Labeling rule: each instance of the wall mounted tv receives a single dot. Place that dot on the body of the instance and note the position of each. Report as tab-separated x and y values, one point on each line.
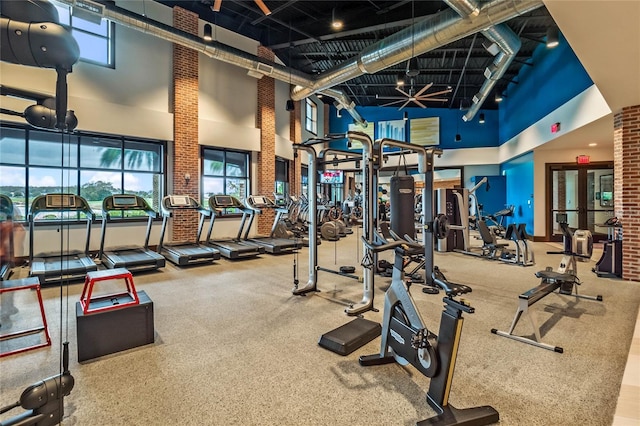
332	177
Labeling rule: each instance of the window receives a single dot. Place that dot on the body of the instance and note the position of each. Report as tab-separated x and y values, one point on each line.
96	41
304	179
282	176
311	116
225	172
36	162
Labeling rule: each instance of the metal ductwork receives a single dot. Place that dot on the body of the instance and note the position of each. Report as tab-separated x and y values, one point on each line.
346	103
256	66
505	40
428	34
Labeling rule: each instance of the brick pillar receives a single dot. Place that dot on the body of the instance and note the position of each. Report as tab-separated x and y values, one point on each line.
626	164
185	125
295	135
266	122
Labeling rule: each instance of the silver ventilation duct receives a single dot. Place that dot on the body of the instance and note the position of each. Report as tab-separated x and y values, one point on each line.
505	40
256	66
428	34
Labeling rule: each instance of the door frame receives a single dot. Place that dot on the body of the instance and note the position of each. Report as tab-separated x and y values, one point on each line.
549	169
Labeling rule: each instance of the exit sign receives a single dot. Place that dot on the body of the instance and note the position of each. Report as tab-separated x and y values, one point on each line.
555	127
583	159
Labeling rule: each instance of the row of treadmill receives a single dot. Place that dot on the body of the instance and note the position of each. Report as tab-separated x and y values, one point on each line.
70	265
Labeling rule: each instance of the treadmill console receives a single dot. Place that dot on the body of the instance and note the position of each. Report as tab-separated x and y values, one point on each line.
179	201
124	201
60	201
260	202
223	201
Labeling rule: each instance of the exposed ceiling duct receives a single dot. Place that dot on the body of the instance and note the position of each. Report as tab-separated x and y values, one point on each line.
256	66
429	33
506	43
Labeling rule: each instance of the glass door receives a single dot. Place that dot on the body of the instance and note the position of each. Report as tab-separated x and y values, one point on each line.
584	193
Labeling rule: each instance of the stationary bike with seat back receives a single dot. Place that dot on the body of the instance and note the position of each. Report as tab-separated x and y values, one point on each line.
406	339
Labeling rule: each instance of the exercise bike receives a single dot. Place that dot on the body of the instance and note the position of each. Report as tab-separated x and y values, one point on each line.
406	339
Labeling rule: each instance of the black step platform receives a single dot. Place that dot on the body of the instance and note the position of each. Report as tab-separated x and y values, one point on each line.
350	336
116	330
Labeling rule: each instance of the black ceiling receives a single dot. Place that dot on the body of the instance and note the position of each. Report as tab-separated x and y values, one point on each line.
300	34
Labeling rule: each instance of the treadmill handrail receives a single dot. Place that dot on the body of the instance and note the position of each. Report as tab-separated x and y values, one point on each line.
167	212
141	205
39	205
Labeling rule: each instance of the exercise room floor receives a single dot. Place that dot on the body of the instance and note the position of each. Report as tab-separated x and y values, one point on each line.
233	346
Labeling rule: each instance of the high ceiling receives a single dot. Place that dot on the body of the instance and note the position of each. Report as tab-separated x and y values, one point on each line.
301	35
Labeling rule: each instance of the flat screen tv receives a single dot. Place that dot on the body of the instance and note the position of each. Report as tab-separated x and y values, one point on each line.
332	177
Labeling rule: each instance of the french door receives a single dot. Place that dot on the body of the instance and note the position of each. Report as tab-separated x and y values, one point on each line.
584	193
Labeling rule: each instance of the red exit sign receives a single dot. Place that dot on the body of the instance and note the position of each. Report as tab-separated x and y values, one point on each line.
555	127
583	159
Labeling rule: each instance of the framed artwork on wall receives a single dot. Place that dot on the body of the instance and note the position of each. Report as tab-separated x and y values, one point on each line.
369	130
425	131
393	129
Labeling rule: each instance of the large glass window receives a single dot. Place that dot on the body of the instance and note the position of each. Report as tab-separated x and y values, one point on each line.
95	40
282	177
311	116
35	162
225	172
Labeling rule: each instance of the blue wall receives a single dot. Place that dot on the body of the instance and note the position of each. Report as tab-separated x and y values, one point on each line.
519	177
474	134
555	77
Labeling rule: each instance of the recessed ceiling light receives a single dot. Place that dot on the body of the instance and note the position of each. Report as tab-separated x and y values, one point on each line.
593	144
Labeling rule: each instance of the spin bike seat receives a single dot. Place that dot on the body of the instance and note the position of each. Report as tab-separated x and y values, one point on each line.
451	289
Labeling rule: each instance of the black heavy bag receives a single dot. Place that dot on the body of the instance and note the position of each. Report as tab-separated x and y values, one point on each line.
402	199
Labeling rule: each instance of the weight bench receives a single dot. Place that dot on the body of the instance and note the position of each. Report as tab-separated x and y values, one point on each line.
552	281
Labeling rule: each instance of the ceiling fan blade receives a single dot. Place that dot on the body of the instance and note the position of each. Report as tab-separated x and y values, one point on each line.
263	7
404	104
391	103
424	89
216	5
403	92
417	102
390	97
428	95
423	99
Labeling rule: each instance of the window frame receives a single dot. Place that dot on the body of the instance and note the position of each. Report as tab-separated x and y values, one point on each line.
311	116
109	38
76	139
284	183
224	176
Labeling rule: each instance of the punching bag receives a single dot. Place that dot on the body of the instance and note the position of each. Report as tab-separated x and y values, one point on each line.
402	200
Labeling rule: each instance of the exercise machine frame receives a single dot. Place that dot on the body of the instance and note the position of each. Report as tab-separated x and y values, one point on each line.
563	281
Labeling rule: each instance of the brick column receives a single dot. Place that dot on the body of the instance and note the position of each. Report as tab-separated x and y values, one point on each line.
185	126
626	164
266	122
295	135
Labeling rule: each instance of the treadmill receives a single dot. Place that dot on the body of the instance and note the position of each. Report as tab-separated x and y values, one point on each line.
185	253
135	259
271	245
55	267
6	222
230	248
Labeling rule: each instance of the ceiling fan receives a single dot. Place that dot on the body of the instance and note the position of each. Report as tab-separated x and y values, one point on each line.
416	97
218	3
